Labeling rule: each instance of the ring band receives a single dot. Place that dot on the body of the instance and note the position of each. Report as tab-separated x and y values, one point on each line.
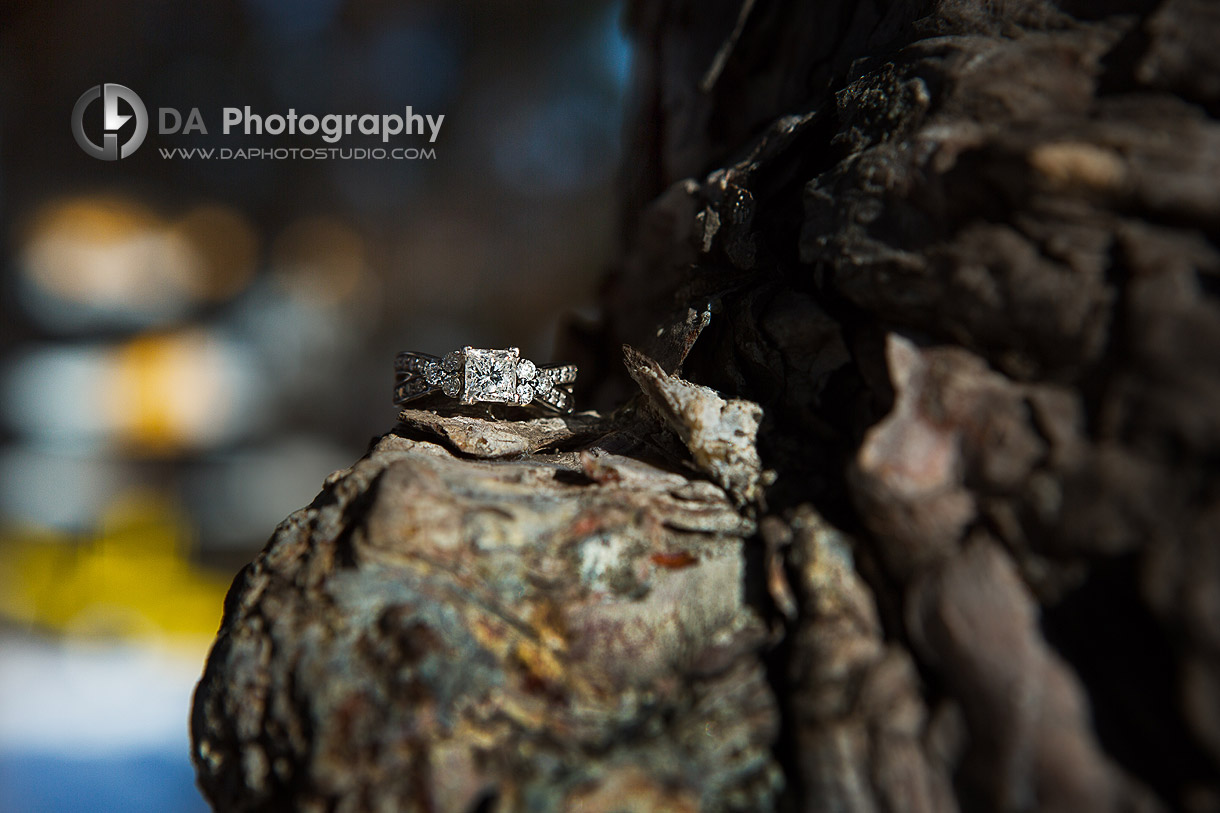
473	376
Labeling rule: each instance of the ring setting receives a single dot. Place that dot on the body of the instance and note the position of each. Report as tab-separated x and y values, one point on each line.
473	375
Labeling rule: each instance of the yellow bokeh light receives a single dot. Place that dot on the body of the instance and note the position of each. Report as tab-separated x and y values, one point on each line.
109	252
132	580
169	391
117	254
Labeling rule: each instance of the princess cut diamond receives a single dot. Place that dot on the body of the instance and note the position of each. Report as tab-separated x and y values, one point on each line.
491	375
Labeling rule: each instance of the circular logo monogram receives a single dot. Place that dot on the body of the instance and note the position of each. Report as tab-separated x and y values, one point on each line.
112	121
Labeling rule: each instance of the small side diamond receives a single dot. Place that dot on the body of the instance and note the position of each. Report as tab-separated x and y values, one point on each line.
452	361
452	385
433	374
556	398
525	392
564	375
526	370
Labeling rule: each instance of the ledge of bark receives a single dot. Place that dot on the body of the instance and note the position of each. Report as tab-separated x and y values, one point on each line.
435	632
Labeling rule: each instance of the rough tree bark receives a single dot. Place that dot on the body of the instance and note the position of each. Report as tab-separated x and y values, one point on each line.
914	506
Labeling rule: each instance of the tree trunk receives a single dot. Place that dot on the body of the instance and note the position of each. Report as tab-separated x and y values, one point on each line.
916	503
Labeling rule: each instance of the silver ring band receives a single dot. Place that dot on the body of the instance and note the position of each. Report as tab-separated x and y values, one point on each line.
473	376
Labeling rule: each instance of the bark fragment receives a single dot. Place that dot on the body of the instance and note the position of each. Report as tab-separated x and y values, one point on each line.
719	434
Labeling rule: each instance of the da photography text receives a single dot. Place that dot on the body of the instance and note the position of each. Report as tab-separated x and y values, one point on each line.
116	138
333	127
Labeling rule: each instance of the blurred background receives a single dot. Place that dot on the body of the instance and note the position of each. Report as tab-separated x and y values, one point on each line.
189	347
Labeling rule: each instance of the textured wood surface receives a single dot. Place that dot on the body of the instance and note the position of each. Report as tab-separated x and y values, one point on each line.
909	499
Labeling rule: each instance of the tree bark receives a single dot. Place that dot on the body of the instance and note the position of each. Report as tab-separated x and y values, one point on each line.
913	501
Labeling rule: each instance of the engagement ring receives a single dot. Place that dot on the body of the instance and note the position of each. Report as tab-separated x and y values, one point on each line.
476	376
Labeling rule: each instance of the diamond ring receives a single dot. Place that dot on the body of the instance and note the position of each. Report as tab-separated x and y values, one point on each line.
476	376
